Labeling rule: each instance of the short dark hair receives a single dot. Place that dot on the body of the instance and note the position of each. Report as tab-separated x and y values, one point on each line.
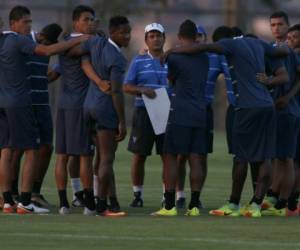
18	12
116	21
279	14
237	31
222	32
51	32
295	27
80	9
188	29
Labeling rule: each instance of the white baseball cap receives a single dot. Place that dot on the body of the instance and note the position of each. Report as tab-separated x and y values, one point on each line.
154	26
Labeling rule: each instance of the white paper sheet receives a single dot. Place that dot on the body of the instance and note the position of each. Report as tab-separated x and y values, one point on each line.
158	110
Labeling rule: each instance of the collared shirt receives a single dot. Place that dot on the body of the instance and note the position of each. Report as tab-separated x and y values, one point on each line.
147	71
218	65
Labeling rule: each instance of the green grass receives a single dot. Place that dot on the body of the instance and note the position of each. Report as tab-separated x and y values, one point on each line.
140	230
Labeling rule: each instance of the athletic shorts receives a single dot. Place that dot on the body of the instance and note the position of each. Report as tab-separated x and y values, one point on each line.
19	128
97	120
297	153
286	135
44	124
72	133
185	140
209	129
254	133
142	137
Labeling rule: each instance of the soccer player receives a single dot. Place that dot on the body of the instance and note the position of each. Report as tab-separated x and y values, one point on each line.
104	110
254	118
145	74
287	117
15	101
185	133
294	43
72	134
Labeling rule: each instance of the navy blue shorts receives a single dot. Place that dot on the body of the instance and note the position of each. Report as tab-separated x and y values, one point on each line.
297	154
20	128
44	123
254	134
4	130
209	129
185	140
229	128
286	135
98	120
142	137
72	133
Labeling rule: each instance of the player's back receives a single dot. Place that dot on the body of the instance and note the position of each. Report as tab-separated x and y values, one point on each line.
189	75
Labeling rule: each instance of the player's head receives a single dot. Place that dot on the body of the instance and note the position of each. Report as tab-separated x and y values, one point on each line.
83	19
293	38
120	30
187	32
20	20
201	34
155	36
279	22
237	31
49	34
222	32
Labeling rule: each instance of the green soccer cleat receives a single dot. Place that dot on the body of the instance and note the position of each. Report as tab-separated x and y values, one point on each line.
253	210
165	212
229	209
193	212
272	211
268	202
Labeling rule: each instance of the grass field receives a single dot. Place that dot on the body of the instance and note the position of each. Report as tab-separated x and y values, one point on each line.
141	231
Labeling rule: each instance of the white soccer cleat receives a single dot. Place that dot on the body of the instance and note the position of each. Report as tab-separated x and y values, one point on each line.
64	211
31	209
88	212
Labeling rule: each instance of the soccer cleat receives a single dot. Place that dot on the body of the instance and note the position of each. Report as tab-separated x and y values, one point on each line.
9	209
268	202
31	209
78	201
253	210
64	211
272	211
40	201
109	213
165	212
229	209
193	212
88	212
137	202
244	208
180	203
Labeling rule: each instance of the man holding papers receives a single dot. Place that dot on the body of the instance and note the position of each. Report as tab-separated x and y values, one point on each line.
145	74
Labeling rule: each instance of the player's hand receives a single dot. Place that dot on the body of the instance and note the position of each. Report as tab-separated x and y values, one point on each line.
150	93
263	78
104	86
282	102
121	132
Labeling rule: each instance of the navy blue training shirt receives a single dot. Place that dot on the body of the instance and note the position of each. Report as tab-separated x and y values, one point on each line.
189	75
74	82
247	55
110	64
14	83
